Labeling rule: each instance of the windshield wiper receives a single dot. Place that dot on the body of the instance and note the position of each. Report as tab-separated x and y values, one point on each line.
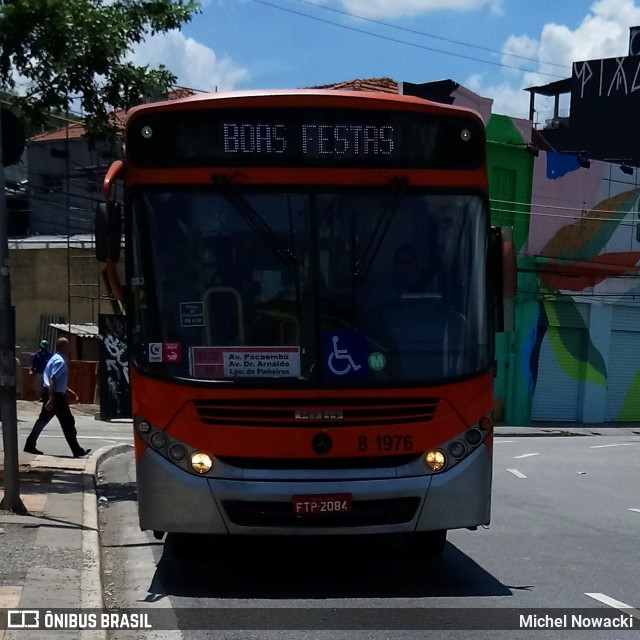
254	220
362	266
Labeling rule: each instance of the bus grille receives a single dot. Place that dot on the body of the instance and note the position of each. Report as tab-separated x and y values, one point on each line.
297	464
279	514
336	412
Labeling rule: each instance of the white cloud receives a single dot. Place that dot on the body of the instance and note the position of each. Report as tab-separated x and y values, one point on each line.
507	100
516	48
603	33
195	65
397	8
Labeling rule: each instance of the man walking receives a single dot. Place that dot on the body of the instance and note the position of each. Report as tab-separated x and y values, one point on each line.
55	402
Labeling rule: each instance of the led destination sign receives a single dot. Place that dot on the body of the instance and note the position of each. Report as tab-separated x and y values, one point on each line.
304	137
315	140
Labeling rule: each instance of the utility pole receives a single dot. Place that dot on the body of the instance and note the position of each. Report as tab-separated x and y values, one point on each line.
8	409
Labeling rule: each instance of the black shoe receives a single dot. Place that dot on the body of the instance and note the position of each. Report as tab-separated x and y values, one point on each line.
33	450
81	453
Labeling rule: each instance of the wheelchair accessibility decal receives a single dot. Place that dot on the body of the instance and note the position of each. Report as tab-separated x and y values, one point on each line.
345	355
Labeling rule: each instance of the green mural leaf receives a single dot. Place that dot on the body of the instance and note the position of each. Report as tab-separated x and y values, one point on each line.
576	354
631	406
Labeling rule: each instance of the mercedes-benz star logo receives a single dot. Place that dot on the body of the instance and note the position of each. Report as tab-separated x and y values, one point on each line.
321	443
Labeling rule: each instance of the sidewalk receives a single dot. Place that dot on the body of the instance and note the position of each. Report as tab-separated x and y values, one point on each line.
50	559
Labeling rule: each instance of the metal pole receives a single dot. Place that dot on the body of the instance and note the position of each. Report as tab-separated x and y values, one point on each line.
8	409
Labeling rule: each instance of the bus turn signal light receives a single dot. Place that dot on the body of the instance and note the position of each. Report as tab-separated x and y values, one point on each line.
144	426
201	462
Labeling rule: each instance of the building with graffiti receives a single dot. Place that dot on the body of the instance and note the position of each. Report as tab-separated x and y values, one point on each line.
575	355
573	202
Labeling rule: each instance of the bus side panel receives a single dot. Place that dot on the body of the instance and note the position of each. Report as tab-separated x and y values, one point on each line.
171	500
461	497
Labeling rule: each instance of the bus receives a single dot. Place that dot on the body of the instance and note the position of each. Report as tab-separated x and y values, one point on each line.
312	289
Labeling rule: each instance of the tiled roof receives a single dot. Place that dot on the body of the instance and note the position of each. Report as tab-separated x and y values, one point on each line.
384	85
77	130
74	130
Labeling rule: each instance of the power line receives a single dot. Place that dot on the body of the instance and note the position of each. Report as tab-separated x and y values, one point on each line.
431	35
398	41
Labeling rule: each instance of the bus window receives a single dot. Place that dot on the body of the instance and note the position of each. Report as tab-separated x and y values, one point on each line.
274	278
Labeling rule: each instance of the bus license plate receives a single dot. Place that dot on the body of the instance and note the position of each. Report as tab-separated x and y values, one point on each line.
321	505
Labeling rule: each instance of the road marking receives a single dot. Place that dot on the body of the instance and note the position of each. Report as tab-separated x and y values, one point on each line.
502	441
636	510
516	473
616	604
525	455
604	446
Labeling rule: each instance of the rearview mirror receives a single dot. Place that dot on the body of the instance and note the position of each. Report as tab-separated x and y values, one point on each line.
108	231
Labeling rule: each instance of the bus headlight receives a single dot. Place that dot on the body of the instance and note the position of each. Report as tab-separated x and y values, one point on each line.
177	452
473	436
158	440
457	449
435	460
201	462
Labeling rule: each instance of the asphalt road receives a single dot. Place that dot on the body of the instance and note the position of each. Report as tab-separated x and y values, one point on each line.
564	534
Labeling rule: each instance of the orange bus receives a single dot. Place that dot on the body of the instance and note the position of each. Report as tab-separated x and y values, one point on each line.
312	290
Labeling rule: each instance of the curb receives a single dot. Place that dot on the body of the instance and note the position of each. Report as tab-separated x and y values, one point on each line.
91	596
565	432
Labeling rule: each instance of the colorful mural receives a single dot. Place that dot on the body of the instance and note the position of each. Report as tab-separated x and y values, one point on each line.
578	285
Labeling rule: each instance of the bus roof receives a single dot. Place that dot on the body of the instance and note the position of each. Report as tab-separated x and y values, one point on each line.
300	98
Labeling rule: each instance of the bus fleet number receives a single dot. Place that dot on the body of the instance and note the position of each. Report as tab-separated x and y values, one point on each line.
386	443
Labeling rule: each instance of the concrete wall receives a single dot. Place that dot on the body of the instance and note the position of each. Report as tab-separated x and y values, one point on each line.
50	278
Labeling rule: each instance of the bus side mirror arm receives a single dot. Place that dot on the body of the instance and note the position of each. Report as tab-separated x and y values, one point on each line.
113	173
112	281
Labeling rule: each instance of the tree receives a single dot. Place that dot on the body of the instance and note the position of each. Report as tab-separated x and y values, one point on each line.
77	50
62	50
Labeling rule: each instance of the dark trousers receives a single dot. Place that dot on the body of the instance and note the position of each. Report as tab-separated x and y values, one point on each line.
61	411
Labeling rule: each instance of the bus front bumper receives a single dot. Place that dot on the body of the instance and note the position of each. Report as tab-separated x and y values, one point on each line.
171	500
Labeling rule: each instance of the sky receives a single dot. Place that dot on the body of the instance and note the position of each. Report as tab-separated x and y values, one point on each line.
496	48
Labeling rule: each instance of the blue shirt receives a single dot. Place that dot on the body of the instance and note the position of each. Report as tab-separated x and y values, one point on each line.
57	369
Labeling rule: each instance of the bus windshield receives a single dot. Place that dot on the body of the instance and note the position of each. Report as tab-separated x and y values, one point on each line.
319	286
